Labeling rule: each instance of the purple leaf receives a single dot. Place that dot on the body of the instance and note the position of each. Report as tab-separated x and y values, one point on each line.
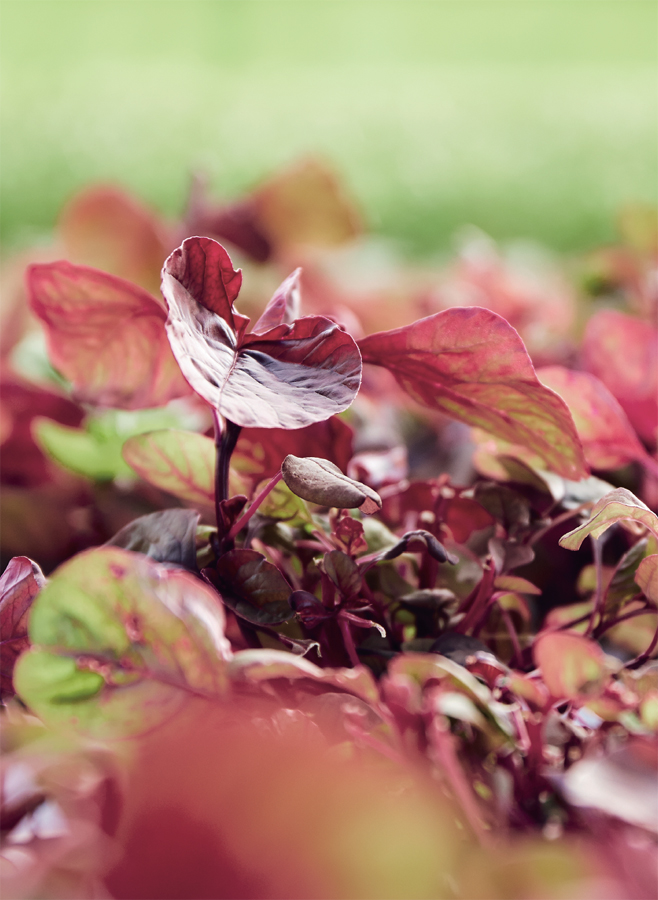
284	307
252	587
167	536
415	539
320	481
20	583
287	377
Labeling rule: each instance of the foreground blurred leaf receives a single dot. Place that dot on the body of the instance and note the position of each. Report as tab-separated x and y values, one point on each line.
120	641
19	585
287	377
618	506
471	365
106	336
572	666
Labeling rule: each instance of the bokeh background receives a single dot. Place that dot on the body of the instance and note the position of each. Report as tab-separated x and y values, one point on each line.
526	118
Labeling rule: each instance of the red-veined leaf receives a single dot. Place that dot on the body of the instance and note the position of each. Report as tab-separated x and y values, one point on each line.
621	351
287	377
618	506
19	585
573	667
607	436
471	365
647	577
106	336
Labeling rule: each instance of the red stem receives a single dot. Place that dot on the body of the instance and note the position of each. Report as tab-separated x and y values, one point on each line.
244	518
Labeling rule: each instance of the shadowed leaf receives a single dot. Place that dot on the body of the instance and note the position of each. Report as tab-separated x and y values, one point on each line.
122	641
471	365
414	540
252	587
106	336
320	481
287	377
167	536
19	585
343	571
617	506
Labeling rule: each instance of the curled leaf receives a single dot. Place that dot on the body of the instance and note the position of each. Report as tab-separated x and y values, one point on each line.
412	539
105	335
470	364
320	481
20	583
286	377
618	506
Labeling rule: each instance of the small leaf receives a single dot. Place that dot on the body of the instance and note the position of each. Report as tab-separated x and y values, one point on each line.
573	667
287	377
414	540
252	587
647	577
515	583
470	364
308	608
167	536
320	481
343	571
618	506
623	585
106	336
123	640
19	585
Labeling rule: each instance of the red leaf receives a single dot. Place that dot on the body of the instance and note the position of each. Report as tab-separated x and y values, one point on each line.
105	335
621	351
607	436
20	583
284	307
471	365
288	377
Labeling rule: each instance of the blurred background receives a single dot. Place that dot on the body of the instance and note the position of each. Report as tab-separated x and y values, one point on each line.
523	117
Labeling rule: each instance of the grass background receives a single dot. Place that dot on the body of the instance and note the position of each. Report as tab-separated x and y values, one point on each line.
528	118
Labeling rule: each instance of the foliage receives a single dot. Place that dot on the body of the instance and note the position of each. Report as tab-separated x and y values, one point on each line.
292	669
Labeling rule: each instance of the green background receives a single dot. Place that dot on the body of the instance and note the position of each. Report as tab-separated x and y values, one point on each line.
524	117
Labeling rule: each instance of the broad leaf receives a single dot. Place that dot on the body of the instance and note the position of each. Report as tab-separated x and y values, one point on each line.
122	640
572	666
607	436
106	336
471	365
180	462
20	583
252	587
287	377
167	536
621	351
617	506
647	577
321	482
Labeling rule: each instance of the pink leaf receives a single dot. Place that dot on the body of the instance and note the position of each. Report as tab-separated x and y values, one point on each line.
608	438
20	583
572	666
284	307
621	351
288	377
647	577
471	365
106	336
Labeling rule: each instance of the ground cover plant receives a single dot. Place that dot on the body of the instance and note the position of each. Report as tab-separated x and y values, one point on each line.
348	593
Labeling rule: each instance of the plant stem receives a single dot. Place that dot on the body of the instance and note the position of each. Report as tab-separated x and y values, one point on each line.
244	518
599	597
225	440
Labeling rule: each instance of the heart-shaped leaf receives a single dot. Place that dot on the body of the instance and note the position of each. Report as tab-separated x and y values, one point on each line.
167	536
618	506
608	438
252	587
122	640
286	377
106	336
320	481
471	365
20	583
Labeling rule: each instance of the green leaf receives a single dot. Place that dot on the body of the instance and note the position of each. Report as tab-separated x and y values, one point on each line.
647	577
119	641
283	505
618	506
573	667
180	462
